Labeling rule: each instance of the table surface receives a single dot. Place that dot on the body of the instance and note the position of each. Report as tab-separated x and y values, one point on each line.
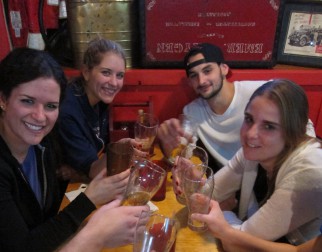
187	240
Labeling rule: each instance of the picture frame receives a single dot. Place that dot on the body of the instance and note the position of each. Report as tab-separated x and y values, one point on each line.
168	29
300	40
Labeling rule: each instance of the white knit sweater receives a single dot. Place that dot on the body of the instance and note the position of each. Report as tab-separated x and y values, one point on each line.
295	207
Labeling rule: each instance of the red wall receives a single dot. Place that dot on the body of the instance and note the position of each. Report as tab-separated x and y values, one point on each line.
169	90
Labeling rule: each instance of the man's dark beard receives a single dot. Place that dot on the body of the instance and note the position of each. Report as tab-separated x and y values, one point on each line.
215	92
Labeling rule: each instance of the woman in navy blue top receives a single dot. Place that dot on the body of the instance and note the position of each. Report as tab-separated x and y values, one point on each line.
83	119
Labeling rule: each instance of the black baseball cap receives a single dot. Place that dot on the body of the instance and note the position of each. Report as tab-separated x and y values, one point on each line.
211	53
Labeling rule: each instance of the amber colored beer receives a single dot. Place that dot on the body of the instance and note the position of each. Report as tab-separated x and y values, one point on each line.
176	152
138	198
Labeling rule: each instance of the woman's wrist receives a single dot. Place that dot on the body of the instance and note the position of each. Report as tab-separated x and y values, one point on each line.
87	239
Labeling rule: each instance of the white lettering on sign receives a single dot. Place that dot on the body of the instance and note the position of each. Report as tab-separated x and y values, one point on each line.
236	24
169	48
213	14
177	48
252	48
182	24
274	5
174	48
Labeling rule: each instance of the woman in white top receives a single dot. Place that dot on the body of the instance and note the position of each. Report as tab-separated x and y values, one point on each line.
275	144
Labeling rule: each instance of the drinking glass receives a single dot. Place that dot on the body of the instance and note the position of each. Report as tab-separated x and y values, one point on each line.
189	126
198	186
118	157
155	232
161	193
190	156
145	131
145	180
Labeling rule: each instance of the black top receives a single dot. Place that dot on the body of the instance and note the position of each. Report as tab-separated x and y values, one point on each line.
260	186
24	225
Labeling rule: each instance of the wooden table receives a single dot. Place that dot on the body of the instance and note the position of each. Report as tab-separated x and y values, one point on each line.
187	240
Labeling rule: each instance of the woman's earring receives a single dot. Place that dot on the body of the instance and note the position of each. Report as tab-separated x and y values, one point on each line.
2	107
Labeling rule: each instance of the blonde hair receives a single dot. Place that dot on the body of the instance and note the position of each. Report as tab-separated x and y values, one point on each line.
96	50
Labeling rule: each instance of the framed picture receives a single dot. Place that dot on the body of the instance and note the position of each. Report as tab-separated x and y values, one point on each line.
244	30
301	35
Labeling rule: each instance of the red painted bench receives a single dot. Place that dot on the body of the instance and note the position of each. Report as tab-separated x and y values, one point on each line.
169	90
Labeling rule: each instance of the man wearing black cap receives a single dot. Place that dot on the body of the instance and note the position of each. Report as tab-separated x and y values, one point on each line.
219	110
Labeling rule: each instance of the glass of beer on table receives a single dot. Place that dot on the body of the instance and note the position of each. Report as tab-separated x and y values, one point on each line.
189	127
155	232
198	185
145	131
145	180
119	157
190	156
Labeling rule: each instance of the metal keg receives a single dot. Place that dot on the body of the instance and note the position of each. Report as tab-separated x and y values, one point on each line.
114	20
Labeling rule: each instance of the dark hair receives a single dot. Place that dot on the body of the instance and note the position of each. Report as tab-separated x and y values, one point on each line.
22	65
